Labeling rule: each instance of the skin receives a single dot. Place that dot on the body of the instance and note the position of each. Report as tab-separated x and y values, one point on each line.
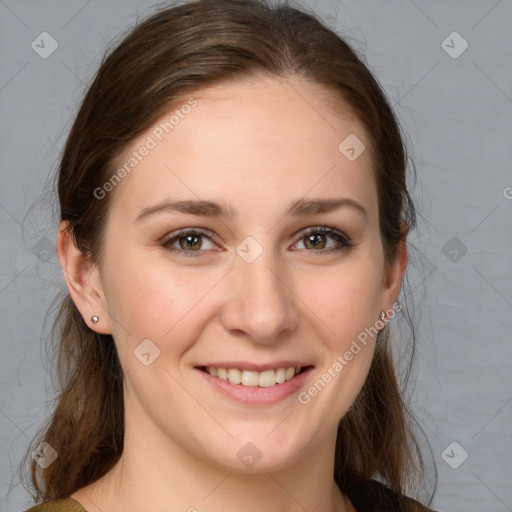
258	146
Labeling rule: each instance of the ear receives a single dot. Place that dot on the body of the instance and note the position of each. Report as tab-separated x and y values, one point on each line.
392	280
83	281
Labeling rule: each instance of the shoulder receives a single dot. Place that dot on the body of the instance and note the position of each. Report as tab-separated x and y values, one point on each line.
370	495
58	505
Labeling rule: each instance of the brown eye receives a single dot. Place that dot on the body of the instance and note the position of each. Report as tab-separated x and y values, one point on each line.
316	239
189	241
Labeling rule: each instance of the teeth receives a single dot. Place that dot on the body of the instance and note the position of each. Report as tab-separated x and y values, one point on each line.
265	379
234	375
268	378
249	378
290	372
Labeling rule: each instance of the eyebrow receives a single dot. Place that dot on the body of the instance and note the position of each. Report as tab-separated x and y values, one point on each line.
205	208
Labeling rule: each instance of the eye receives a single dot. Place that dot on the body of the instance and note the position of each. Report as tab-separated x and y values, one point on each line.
190	241
316	238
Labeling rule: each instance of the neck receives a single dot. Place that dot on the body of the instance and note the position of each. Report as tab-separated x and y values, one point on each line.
155	473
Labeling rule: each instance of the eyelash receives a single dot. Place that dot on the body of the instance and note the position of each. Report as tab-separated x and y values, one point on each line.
341	238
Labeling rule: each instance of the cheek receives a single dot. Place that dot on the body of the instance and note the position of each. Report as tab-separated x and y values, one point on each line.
151	299
345	300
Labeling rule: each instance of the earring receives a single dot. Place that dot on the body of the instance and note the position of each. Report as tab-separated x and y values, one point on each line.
95	319
382	316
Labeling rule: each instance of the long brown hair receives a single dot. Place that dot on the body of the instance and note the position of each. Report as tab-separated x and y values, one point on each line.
159	62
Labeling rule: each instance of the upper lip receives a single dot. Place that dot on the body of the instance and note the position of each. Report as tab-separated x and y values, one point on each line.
245	365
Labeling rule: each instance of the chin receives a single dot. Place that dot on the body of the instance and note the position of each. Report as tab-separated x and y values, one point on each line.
252	454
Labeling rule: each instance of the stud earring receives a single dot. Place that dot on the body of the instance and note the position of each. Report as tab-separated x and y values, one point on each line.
382	316
95	319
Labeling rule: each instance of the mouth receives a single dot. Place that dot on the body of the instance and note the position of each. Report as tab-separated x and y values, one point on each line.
267	378
255	385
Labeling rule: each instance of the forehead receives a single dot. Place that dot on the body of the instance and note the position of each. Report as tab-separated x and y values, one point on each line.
265	138
260	108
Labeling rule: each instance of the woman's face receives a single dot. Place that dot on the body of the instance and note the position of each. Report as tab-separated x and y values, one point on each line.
252	290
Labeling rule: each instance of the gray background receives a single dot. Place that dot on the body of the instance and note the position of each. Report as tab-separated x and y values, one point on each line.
457	113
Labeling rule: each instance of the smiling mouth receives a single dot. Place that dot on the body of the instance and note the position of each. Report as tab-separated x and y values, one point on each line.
265	379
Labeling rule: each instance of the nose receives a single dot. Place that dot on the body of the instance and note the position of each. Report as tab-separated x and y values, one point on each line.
260	304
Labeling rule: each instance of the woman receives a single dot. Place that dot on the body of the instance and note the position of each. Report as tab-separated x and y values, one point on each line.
234	215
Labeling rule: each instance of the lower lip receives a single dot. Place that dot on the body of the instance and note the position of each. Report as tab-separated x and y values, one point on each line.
254	394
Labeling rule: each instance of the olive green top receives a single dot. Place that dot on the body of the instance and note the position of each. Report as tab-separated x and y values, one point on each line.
365	495
63	505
